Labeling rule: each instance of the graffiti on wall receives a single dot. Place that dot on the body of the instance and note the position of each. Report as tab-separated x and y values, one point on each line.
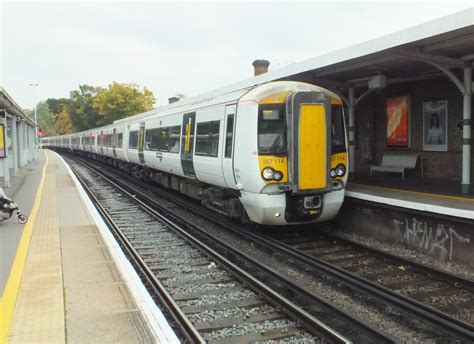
434	239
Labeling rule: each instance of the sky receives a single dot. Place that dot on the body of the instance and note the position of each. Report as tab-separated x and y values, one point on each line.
177	47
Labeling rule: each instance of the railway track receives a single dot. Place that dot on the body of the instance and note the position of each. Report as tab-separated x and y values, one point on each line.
437	324
209	299
447	293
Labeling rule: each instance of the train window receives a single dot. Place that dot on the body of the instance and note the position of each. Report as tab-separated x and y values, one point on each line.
207	138
133	139
338	139
156	139
174	138
229	136
271	130
163	139
119	140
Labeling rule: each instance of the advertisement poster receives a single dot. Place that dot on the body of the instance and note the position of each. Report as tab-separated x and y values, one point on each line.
398	122
2	141
435	125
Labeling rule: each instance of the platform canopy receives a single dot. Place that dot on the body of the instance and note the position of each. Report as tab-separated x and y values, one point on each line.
7	103
405	55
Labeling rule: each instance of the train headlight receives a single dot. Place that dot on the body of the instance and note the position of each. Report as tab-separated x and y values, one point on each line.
278	176
340	170
333	173
268	173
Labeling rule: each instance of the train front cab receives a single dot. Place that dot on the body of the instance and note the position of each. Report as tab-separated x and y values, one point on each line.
302	157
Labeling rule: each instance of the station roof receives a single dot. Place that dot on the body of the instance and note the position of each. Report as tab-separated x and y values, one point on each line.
7	102
416	53
405	55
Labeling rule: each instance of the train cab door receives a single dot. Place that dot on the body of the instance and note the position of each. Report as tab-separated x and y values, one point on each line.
228	144
141	143
187	144
308	115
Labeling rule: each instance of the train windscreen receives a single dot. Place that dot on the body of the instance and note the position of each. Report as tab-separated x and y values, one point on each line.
272	130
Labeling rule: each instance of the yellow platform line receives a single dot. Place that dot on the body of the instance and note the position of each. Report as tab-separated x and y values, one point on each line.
419	193
12	288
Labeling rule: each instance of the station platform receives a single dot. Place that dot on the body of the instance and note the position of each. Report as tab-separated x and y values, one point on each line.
438	197
427	217
63	277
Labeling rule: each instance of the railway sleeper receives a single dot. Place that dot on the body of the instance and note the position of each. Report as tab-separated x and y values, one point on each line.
207	326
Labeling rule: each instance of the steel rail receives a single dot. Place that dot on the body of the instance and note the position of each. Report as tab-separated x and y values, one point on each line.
376	333
449	323
311	323
444	276
185	326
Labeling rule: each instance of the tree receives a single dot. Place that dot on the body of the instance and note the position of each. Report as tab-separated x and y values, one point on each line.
63	123
121	100
82	114
56	105
46	119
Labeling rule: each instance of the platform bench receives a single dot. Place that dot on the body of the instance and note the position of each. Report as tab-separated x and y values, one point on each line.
397	163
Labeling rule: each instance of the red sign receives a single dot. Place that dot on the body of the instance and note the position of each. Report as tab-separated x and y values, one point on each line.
397	122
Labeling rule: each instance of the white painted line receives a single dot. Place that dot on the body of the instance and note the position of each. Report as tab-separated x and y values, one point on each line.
467	214
158	324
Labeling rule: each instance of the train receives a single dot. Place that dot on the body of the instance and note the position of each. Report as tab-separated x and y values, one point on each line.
271	154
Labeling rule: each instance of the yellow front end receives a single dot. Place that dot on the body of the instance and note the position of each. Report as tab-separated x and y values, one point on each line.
313	147
312	173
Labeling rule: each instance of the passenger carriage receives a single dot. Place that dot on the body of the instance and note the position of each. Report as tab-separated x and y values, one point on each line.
273	154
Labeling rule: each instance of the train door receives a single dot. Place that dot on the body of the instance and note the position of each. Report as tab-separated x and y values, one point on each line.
141	143
114	142
101	142
126	142
227	156
308	116
187	144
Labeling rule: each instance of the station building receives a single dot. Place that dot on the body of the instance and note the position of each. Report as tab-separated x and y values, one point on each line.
395	88
17	138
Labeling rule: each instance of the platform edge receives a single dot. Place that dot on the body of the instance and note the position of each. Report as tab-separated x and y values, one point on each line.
157	322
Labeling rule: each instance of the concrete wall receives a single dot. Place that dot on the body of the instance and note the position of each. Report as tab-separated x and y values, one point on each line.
443	237
371	123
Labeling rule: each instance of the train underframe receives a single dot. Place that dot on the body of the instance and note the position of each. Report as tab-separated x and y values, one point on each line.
282	209
221	200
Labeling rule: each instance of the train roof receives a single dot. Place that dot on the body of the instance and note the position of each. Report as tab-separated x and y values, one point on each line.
187	104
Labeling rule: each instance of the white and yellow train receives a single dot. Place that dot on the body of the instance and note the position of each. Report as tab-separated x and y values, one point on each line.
274	154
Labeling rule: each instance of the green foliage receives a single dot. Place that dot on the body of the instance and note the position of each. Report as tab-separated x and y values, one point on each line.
90	107
46	119
57	105
82	113
120	101
63	124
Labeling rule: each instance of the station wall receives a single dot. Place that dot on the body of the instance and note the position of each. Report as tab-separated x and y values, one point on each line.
371	128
